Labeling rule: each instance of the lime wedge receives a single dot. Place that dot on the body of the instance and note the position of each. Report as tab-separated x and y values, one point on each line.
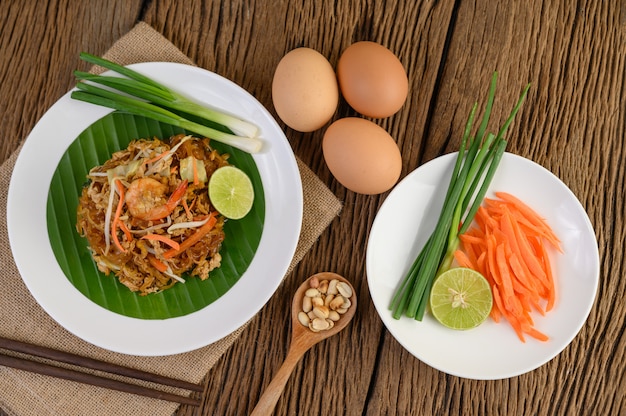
231	192
461	298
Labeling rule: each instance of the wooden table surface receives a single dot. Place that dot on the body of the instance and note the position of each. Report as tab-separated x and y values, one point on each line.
573	123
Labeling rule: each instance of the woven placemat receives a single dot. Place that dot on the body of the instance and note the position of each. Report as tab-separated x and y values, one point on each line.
23	393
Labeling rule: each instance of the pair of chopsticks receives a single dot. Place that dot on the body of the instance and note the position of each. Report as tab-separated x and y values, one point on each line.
91	379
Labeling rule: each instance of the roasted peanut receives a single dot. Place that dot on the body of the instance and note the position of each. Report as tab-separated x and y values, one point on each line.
332	287
317	301
303	318
323	304
319	324
337	302
323	287
312	292
307	304
328	299
321	311
344	289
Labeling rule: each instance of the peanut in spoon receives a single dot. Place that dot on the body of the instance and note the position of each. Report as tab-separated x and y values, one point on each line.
304	337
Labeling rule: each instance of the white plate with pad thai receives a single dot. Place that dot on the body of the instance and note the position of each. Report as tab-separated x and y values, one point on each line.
196	305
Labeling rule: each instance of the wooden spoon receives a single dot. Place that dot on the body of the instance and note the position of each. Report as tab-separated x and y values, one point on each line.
302	339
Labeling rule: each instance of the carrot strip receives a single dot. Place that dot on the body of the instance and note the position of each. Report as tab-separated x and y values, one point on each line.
491	259
497	300
505	276
495	314
471	239
519	272
525	303
157	264
506	225
488	223
551	286
463	260
194	238
482	269
528	256
125	230
532	230
507	246
157	157
187	210
533	332
163	239
507	315
528	212
537	306
471	251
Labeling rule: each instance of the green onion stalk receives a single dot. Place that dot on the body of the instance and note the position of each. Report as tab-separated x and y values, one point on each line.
475	165
137	94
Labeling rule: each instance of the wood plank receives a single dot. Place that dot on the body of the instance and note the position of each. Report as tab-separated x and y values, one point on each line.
39	47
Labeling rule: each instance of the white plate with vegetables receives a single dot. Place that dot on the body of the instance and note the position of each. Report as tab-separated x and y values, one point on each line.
29	216
491	350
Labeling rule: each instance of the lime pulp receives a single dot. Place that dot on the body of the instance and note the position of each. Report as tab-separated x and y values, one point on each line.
231	192
461	298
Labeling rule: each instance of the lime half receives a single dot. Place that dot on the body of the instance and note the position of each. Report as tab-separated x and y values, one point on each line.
461	298
231	192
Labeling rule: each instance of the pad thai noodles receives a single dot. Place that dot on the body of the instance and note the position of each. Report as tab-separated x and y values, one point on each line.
147	216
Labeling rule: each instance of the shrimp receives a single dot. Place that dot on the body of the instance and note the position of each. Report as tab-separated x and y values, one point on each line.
146	199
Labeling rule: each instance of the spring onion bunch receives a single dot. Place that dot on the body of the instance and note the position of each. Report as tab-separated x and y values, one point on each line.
474	168
140	95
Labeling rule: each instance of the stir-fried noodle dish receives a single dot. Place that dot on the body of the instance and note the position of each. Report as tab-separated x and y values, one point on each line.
147	216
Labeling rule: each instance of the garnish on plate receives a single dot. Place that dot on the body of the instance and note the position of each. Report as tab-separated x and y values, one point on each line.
508	244
140	95
475	166
461	298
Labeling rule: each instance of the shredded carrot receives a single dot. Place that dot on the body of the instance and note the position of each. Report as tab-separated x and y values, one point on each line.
480	263
163	239
187	210
533	332
491	259
528	254
471	239
507	315
507	245
124	228
463	260
520	274
194	238
533	217
157	264
157	157
550	289
505	277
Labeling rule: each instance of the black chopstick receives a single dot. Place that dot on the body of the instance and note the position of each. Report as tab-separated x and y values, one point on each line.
89	363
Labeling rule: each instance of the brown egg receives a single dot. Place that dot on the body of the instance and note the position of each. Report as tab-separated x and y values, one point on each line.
372	79
304	90
361	155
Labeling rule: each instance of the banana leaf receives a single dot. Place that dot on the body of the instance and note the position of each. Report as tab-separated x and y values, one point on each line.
93	147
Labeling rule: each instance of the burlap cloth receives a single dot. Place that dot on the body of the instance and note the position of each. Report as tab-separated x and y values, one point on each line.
23	393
